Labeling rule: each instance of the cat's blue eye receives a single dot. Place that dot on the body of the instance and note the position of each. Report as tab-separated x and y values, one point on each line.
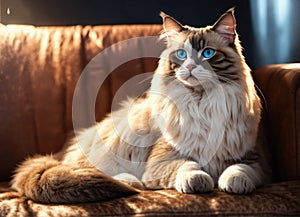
208	52
181	54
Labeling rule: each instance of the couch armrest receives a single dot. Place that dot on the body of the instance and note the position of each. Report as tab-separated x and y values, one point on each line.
279	85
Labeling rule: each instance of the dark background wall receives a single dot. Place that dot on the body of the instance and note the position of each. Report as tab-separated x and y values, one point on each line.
192	12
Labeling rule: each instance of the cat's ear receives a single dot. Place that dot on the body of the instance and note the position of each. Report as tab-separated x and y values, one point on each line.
226	26
170	24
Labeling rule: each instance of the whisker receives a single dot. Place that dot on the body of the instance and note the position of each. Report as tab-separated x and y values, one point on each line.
262	96
227	80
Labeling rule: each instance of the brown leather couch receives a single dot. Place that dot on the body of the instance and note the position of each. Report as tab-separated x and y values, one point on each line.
39	69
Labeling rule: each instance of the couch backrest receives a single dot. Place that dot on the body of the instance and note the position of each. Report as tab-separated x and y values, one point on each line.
280	85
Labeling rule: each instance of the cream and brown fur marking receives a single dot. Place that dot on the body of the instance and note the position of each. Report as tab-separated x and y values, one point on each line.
196	129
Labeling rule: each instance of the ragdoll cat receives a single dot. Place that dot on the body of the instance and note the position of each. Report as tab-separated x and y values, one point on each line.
195	129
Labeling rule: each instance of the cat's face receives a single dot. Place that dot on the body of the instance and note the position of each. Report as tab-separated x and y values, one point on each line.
203	56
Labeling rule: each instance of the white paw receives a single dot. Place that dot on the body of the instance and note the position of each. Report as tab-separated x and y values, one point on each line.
236	181
194	181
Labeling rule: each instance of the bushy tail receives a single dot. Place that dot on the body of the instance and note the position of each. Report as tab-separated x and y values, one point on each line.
46	180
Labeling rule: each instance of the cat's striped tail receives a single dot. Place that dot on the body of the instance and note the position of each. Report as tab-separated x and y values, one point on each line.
46	180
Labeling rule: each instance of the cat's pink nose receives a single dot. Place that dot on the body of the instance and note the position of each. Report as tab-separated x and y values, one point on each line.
190	67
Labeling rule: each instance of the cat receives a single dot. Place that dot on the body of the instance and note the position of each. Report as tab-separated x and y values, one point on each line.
196	129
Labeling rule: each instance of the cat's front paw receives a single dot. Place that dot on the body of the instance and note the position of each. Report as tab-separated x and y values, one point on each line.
236	181
194	181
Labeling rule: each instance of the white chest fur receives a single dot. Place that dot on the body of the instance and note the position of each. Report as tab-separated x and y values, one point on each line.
211	125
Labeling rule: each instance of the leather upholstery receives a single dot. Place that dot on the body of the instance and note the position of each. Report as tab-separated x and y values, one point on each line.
280	85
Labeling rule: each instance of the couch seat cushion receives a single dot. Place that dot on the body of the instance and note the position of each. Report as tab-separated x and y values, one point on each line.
277	199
